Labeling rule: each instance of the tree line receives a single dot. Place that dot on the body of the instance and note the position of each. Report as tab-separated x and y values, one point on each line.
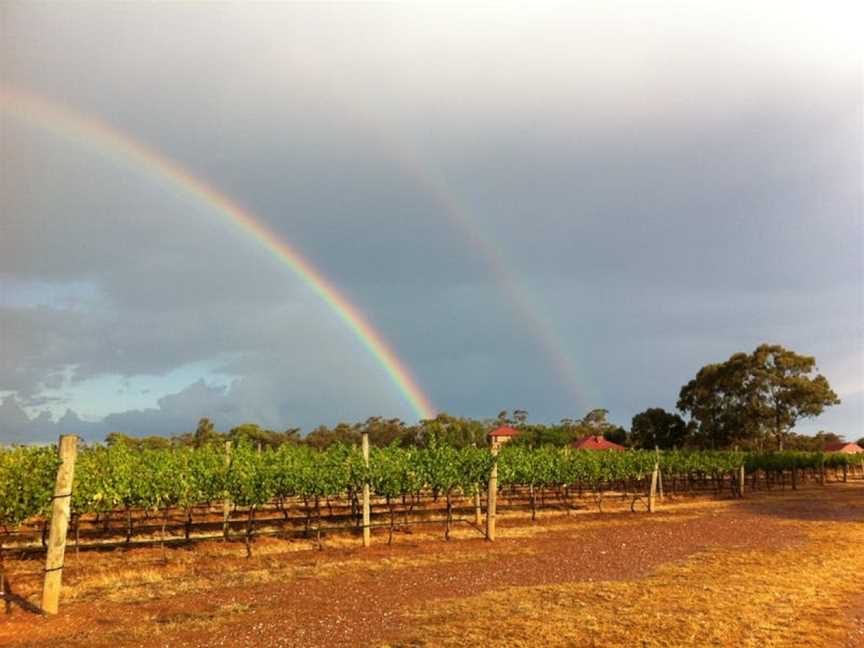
458	432
751	401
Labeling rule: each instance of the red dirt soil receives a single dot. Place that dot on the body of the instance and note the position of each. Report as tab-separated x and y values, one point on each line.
362	606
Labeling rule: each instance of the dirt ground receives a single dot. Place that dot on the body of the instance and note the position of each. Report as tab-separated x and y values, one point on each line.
774	569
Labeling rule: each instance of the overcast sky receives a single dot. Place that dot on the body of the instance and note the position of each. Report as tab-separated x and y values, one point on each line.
552	208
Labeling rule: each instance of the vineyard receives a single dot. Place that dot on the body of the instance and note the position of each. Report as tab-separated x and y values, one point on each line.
188	493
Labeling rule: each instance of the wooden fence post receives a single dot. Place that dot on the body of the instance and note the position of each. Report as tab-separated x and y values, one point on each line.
492	495
226	501
60	507
741	478
478	511
652	493
367	532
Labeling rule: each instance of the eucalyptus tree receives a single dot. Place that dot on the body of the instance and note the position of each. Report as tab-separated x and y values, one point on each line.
655	427
786	390
753	396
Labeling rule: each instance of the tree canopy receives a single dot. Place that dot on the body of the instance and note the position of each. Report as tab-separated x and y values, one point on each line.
755	398
655	427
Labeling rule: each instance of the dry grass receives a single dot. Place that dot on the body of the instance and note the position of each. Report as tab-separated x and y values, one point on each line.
720	598
117	578
128	577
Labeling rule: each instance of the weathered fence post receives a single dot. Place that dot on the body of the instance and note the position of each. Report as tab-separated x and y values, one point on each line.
367	532
478	511
659	474
492	495
652	493
741	478
60	507
226	501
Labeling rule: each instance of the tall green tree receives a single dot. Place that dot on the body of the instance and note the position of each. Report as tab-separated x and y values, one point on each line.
785	389
138	443
719	403
452	430
594	423
205	433
520	417
596	418
655	427
323	437
383	432
256	435
808	443
753	398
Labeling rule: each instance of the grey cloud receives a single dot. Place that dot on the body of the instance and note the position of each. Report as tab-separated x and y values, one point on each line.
692	191
19	428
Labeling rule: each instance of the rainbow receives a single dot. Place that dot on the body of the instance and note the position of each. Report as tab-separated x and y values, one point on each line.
527	308
68	123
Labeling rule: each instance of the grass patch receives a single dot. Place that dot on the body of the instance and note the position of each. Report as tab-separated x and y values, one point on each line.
719	598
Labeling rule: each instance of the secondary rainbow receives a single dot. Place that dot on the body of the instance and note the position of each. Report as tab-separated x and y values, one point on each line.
527	307
534	314
95	133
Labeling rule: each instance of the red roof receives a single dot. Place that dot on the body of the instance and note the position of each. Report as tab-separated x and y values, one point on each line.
504	431
842	446
596	443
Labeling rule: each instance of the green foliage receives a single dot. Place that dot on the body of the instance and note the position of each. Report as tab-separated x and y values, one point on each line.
205	433
251	433
138	443
751	397
815	443
395	472
119	476
249	480
655	427
323	437
452	430
27	476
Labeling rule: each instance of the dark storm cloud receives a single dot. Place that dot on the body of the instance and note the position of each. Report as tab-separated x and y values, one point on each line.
665	195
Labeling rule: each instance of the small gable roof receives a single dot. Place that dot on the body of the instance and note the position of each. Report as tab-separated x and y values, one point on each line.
504	431
596	442
844	447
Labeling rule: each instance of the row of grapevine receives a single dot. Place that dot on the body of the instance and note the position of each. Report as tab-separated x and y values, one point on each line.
109	479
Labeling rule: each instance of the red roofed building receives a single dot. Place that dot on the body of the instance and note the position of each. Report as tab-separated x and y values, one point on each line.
596	443
503	434
845	448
